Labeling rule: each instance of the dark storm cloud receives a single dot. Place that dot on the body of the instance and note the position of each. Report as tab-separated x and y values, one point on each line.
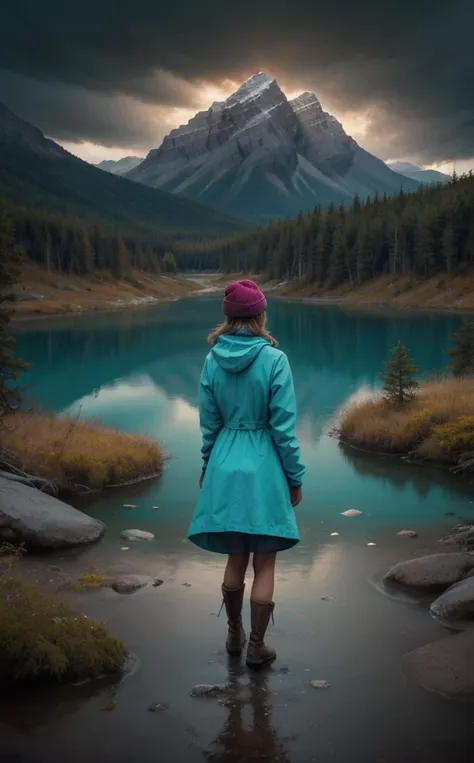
409	63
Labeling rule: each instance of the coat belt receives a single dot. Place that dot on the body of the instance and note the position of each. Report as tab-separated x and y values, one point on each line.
246	425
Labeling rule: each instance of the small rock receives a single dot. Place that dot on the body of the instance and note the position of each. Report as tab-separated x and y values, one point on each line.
130	583
136	535
30	295
157	707
187	585
209	690
462	535
328	598
320	684
157	582
334	534
434	571
125	548
407	534
155	507
129	506
351	513
371	544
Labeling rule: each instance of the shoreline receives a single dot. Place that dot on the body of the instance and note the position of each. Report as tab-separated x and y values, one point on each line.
52	294
434	294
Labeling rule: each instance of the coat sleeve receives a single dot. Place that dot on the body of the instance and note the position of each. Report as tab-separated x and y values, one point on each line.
210	419
283	421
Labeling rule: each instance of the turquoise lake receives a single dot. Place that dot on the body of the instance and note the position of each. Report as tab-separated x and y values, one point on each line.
334	620
140	371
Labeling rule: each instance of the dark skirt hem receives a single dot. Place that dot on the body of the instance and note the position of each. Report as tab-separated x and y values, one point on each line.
241	543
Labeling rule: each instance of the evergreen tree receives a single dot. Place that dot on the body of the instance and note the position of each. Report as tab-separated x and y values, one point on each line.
462	353
10	367
399	382
120	264
169	263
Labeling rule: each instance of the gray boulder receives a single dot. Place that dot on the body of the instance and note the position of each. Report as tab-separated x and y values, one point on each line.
434	571
457	602
445	667
42	521
137	535
462	535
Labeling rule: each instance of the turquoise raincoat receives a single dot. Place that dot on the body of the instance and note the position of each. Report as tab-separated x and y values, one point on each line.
250	450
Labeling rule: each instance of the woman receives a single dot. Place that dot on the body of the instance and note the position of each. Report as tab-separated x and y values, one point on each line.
252	472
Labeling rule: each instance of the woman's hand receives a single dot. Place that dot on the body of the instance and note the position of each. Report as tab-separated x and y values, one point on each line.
296	494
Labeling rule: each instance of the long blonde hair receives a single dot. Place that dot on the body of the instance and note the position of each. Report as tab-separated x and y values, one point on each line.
257	326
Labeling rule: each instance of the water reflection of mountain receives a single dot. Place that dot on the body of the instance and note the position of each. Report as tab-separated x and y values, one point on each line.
333	351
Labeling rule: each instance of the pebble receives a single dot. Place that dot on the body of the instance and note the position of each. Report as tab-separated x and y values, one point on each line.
125	548
407	534
333	534
136	535
351	513
187	585
328	598
129	506
320	684
157	582
209	690
157	707
155	507
371	544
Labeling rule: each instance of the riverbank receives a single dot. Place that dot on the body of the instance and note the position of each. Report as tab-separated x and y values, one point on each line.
436	293
436	427
40	294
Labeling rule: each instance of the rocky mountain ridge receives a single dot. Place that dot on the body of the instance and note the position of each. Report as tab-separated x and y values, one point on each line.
260	155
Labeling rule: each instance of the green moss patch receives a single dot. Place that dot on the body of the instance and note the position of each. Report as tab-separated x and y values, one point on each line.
42	638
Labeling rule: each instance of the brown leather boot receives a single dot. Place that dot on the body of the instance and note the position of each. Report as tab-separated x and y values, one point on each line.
258	654
233	599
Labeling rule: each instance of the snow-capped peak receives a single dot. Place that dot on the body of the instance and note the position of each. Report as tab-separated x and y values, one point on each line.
303	101
252	87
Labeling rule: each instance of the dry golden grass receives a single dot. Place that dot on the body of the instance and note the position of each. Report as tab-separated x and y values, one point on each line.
71	452
438	425
437	293
76	294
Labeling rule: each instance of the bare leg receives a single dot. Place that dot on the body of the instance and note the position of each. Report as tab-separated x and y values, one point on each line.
264	580
235	570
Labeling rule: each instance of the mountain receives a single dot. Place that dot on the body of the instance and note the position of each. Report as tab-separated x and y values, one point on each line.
36	172
120	166
261	156
419	173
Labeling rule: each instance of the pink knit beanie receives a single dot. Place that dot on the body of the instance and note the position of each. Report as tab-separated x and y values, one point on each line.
243	299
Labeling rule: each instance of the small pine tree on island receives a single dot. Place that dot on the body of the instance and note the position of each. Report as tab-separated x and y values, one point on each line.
462	352
399	382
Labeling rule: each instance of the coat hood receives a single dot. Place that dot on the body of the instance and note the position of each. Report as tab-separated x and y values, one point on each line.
235	352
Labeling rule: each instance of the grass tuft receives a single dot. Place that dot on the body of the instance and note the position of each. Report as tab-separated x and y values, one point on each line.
71	452
43	639
438	425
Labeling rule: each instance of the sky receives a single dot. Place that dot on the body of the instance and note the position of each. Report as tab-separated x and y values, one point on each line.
110	78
